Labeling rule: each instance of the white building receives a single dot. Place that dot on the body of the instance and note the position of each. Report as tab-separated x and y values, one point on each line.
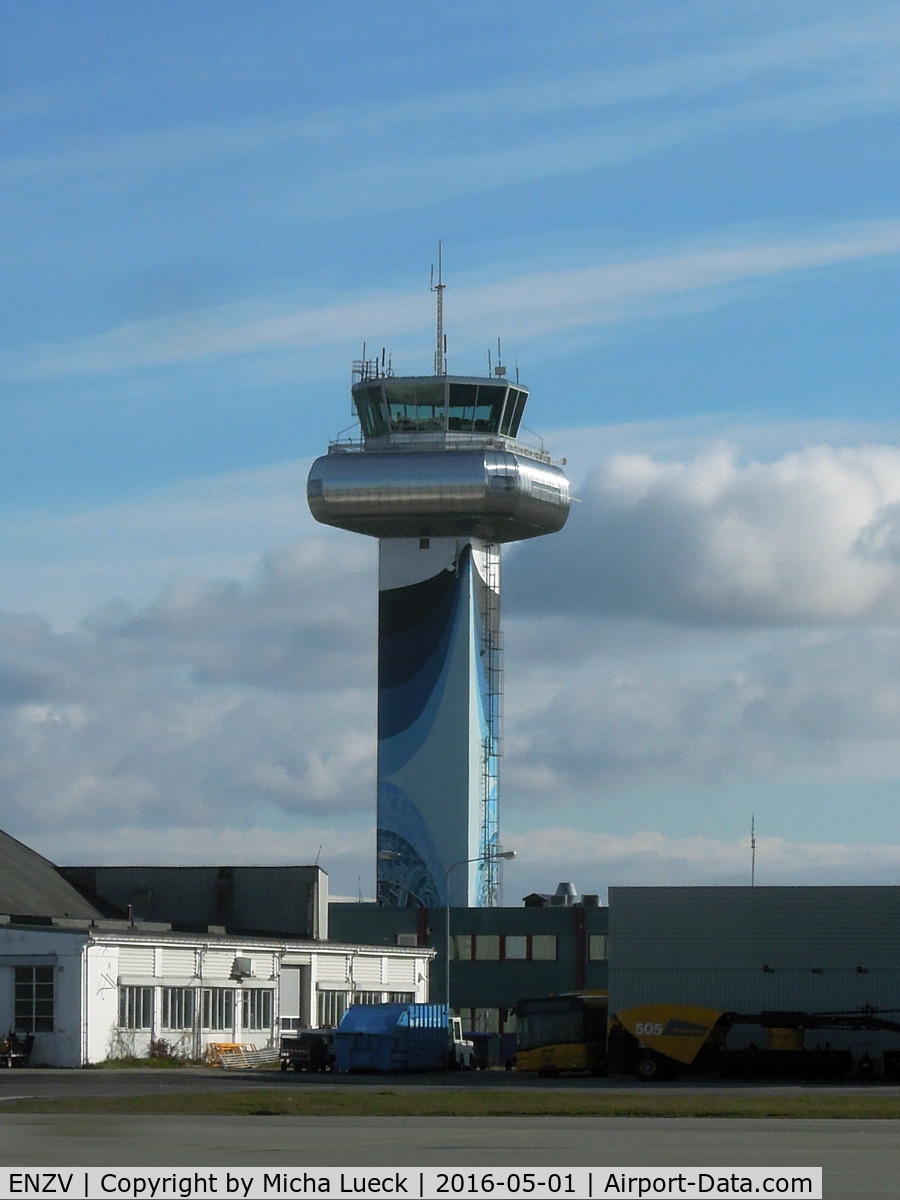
101	991
89	988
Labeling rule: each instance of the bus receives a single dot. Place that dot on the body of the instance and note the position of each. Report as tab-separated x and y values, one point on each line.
562	1033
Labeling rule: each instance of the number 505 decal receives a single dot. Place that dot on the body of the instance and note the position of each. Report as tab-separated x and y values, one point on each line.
648	1029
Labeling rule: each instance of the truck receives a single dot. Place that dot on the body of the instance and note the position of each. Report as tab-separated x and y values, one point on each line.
401	1037
310	1050
575	1032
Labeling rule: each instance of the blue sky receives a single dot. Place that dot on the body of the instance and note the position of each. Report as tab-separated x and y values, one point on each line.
682	220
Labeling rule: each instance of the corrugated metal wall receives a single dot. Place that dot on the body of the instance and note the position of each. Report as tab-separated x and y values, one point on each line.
752	990
750	927
813	949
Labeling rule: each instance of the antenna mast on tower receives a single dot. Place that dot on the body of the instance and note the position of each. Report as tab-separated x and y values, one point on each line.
440	353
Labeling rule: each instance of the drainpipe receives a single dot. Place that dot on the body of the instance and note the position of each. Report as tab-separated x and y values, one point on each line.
198	1016
85	993
578	913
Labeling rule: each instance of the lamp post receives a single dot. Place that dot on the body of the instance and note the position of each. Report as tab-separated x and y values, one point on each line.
389	855
463	862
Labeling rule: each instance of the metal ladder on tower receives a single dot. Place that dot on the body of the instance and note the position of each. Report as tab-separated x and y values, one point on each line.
490	890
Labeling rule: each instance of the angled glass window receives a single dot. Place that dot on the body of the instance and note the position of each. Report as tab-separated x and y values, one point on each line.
369	408
515	408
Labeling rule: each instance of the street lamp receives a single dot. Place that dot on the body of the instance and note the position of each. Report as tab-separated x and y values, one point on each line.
391	855
463	862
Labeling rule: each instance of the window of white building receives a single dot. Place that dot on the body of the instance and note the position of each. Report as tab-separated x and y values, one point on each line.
135	1007
367	997
218	1009
257	1010
332	1006
178	1006
33	999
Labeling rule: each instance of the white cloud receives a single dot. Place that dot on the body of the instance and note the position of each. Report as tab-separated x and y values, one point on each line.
219	704
610	720
707	623
64	563
594	862
705	627
340	849
807	538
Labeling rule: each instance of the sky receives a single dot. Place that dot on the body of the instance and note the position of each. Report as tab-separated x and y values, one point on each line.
683	221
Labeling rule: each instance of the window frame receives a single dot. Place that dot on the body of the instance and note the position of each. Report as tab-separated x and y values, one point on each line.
182	1001
600	941
331	1003
257	1009
27	1001
135	1007
217	1004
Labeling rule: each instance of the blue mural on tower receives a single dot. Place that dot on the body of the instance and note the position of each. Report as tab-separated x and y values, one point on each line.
430	771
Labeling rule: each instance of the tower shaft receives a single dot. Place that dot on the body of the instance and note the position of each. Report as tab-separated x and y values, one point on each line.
438	720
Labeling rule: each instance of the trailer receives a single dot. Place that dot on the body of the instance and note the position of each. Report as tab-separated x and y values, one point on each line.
574	1032
15	1051
658	1041
401	1037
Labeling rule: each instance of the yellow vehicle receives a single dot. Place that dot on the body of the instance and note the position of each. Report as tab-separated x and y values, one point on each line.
657	1041
562	1033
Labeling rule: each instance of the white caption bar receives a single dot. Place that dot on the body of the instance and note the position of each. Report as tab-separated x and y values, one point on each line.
544	1183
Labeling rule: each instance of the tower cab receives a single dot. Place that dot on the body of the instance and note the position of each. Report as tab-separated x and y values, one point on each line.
387	405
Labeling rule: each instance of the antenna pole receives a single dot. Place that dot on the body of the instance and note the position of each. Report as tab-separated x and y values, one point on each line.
752	850
440	360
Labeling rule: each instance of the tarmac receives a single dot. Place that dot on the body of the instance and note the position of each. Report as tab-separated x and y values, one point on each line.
860	1158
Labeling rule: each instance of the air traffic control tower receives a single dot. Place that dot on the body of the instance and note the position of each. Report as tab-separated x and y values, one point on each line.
440	479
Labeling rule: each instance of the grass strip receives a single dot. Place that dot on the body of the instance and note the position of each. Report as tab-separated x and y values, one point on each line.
459	1102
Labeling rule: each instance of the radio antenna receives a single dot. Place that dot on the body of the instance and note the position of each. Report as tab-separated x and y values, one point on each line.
440	353
752	850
